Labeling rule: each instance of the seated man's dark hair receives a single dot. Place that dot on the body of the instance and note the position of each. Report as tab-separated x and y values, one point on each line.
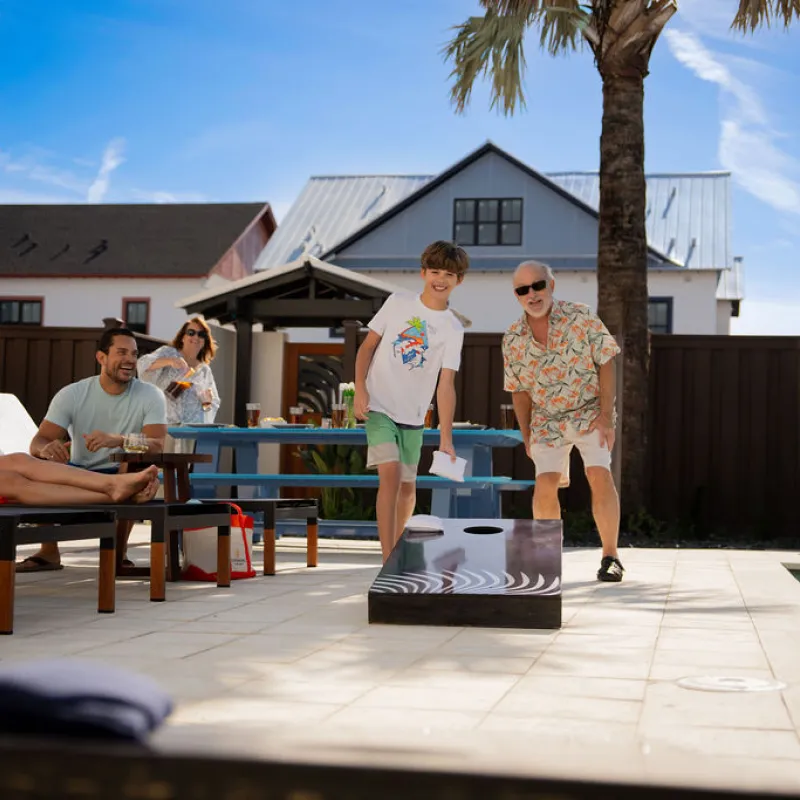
107	339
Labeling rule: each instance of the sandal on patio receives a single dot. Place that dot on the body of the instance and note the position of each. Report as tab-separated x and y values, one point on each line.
37	564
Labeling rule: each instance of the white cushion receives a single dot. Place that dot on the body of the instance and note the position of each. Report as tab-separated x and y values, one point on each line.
17	429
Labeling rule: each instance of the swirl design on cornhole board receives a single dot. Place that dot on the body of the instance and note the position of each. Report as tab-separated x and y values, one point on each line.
465	582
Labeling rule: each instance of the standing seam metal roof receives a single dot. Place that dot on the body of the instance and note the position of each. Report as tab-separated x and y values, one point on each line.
688	214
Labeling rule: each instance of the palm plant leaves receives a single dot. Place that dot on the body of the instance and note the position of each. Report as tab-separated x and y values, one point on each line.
493	45
753	14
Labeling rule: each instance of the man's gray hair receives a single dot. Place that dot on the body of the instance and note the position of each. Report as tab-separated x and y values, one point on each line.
548	273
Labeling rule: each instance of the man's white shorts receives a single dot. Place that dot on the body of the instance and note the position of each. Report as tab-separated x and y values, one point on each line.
556	459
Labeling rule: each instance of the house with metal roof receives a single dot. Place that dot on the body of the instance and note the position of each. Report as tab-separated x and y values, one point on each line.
74	265
503	211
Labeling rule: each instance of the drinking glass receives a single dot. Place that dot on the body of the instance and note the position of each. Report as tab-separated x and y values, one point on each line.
134	443
429	416
337	415
507	419
253	414
206	399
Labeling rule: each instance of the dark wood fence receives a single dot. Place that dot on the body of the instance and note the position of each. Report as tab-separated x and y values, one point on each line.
724	445
725	432
724	449
35	362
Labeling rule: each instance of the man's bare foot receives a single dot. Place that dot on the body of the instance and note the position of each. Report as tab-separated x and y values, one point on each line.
131	484
147	494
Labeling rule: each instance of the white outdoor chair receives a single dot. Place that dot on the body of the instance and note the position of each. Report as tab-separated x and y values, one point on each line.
17	429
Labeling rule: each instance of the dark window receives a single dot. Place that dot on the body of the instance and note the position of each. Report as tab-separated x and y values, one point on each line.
488	221
20	312
659	314
137	315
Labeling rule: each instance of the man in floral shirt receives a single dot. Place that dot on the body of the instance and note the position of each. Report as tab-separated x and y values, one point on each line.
559	363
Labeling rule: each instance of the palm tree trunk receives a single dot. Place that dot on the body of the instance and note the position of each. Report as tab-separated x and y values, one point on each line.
622	268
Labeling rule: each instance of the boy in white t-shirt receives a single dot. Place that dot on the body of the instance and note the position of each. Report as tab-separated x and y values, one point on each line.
413	342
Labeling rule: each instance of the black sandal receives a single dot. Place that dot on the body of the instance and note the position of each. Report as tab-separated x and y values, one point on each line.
37	564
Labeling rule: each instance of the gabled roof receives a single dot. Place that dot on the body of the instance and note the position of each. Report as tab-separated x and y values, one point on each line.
137	240
688	214
305	293
445	176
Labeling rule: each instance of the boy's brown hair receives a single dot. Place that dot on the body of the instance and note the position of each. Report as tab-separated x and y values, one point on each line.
446	256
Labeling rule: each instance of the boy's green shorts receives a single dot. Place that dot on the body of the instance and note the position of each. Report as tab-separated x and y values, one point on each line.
389	442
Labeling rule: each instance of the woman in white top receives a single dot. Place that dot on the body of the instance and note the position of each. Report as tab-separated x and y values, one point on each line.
193	346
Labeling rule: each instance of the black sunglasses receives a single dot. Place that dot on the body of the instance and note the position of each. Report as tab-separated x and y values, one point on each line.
537	286
191	333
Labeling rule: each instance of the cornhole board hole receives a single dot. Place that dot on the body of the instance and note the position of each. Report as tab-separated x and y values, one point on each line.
491	573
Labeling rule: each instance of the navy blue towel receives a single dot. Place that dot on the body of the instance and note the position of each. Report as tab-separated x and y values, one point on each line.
81	699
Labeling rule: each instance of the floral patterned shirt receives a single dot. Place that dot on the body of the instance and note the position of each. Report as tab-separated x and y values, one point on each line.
562	378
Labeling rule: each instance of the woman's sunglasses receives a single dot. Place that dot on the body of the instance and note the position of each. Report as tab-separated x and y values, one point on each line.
537	286
192	333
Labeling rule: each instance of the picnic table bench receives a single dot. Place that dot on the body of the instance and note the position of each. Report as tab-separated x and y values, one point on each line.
477	497
271	484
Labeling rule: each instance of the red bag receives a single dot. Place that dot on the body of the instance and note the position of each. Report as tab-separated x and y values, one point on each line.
200	550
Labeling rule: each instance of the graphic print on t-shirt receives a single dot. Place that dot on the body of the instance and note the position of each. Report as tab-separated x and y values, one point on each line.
411	343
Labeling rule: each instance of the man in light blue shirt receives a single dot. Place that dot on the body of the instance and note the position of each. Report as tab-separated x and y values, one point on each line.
96	414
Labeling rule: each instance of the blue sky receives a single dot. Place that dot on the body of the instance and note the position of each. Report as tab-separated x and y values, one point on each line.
168	100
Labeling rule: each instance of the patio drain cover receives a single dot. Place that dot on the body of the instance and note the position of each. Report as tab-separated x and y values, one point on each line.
711	683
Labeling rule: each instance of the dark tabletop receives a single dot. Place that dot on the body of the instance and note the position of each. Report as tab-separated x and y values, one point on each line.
162	459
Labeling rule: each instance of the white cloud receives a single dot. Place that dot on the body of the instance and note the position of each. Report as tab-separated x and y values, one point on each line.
713	17
169	197
112	158
32	166
748	144
14	197
765	318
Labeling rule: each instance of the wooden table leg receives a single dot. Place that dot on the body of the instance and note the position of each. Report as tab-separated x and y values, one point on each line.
170	487
311	541
183	486
171	496
269	539
158	564
106	592
8	557
224	555
173	557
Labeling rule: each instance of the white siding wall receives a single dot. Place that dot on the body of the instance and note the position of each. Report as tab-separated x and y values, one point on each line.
723	317
267	388
488	300
83	302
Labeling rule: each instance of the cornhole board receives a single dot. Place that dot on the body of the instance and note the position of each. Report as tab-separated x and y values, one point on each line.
493	573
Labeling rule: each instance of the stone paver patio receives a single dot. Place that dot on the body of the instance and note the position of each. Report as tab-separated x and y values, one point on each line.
288	666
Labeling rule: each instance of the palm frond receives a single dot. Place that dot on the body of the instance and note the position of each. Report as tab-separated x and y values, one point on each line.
754	14
494	44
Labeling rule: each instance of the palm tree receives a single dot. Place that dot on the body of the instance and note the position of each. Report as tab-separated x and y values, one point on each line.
621	35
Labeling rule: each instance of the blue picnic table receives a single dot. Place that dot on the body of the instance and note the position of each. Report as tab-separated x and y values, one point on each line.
478	497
